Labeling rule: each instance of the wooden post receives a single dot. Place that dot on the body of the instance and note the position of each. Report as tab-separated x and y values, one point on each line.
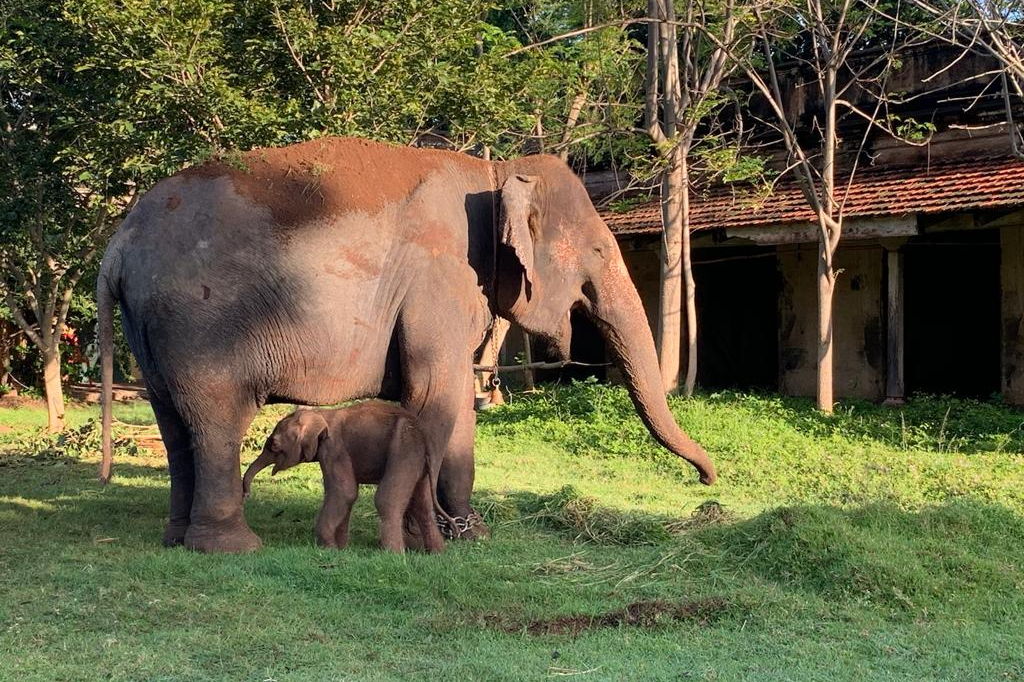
489	356
527	361
894	386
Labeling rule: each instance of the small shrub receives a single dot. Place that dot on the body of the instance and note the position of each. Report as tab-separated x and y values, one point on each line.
73	443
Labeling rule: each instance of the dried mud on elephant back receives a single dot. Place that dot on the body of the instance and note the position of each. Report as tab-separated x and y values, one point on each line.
325	177
642	614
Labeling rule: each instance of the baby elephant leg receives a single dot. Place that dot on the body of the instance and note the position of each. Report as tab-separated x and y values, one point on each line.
422	510
392	500
340	493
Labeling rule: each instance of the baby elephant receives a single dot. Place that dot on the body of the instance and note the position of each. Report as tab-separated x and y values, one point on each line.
370	442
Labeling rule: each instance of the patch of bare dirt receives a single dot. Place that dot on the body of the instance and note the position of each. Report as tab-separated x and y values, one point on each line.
641	614
9	400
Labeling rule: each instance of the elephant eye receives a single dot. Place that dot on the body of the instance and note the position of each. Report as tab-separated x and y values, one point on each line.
599	250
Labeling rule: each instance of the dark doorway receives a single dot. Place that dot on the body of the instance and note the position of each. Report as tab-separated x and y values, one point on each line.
587	346
738	318
951	313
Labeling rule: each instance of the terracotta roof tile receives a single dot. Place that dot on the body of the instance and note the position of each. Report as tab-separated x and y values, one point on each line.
941	187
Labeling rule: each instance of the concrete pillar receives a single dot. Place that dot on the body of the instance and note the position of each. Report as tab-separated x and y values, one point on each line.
859	342
895	388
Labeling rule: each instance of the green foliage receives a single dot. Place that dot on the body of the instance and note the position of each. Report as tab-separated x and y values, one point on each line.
602	67
627	204
72	444
910	129
721	161
932	450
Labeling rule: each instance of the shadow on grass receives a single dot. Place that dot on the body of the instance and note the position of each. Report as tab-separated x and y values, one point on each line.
964	554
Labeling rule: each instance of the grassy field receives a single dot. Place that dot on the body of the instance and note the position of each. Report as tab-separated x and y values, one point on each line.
873	545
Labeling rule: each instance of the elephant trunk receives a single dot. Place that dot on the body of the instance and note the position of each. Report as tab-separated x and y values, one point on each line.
259	464
618	312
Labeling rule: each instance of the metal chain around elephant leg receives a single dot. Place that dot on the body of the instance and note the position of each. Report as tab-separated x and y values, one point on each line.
462	524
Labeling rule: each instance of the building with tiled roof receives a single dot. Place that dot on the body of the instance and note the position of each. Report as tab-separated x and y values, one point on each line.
930	188
931	293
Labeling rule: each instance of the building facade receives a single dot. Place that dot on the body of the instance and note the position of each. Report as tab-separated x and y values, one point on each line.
930	294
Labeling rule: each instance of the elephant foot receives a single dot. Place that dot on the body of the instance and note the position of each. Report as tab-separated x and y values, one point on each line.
232	537
174	533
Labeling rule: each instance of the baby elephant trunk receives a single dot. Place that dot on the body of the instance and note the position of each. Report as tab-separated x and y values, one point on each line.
259	464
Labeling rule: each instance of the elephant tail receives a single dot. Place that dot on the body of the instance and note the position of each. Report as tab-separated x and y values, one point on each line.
105	303
433	468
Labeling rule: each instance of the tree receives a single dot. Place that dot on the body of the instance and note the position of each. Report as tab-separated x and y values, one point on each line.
100	100
822	38
684	73
581	86
51	221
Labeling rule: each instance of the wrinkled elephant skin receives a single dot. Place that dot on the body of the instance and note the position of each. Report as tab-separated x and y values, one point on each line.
338	269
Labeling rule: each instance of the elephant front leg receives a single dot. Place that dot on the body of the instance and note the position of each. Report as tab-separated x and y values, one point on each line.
458	472
340	494
448	421
437	368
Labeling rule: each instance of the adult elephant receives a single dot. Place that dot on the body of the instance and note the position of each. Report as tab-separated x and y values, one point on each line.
339	269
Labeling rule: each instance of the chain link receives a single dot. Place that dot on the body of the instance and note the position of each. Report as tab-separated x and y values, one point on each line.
462	524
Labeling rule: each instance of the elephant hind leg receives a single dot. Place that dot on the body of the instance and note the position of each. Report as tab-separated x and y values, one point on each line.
217	522
180	465
340	493
394	493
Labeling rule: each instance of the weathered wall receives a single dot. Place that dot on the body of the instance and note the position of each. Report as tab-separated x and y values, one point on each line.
860	343
644	268
1012	242
858	356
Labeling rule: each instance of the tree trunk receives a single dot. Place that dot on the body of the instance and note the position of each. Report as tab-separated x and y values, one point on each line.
828	241
671	281
691	285
53	388
7	331
826	286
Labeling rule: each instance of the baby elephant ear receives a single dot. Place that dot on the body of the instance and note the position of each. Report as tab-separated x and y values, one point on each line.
314	430
518	208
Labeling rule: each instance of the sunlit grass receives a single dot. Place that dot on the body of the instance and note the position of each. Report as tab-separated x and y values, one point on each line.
871	545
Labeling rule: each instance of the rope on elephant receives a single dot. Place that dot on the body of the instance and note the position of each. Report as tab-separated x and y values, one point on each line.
538	365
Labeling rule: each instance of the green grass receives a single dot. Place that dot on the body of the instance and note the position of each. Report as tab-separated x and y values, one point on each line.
876	544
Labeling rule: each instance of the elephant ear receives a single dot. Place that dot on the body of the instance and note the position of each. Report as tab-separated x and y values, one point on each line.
299	441
517	208
314	430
